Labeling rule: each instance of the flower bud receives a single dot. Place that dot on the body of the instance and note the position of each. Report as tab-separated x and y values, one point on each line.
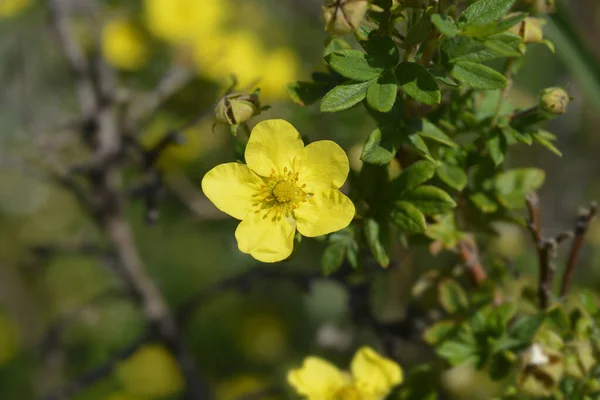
530	30
344	16
554	100
236	108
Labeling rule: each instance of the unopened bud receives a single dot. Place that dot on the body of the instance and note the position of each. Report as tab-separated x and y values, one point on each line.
344	16
554	100
236	108
530	30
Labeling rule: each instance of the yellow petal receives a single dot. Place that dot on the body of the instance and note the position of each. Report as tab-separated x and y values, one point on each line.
231	187
264	237
273	145
373	374
322	164
317	379
325	212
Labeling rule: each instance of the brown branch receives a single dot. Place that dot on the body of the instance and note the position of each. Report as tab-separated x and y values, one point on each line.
59	14
546	249
543	249
104	135
470	257
581	227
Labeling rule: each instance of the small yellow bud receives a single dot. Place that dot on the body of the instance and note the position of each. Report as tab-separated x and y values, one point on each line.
344	16
530	30
554	100
235	108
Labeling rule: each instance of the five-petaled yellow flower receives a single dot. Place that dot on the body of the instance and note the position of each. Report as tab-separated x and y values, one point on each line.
284	186
371	377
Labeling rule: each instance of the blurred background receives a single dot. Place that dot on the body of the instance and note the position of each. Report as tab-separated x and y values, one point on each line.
62	309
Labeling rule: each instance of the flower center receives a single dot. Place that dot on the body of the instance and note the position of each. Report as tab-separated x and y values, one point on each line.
280	194
284	191
349	392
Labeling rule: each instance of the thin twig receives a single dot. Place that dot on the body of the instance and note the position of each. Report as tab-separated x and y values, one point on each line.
59	14
470	257
543	249
172	82
581	227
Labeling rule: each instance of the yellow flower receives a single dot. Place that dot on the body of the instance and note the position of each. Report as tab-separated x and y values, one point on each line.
183	20
10	8
281	67
239	54
284	186
151	372
371	377
123	45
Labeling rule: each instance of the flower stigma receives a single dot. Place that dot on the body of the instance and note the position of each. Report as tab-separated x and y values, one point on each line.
281	193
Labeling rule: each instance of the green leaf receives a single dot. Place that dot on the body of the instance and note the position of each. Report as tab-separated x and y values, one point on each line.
333	44
494	28
354	64
484	202
588	301
478	76
497	147
344	96
430	200
381	48
462	48
452	296
522	137
381	94
458	353
408	218
439	332
373	233
306	93
484	11
559	319
445	25
333	257
512	186
501	49
453	176
431	131
418	83
547	143
419	31
525	328
416	142
411	177
380	147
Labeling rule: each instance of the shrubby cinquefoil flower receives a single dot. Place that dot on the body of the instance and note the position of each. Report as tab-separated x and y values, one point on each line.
371	377
284	186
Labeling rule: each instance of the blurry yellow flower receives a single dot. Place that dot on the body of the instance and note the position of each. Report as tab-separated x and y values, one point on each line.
372	377
184	20
239	54
263	338
281	67
151	372
123	45
284	186
10	8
